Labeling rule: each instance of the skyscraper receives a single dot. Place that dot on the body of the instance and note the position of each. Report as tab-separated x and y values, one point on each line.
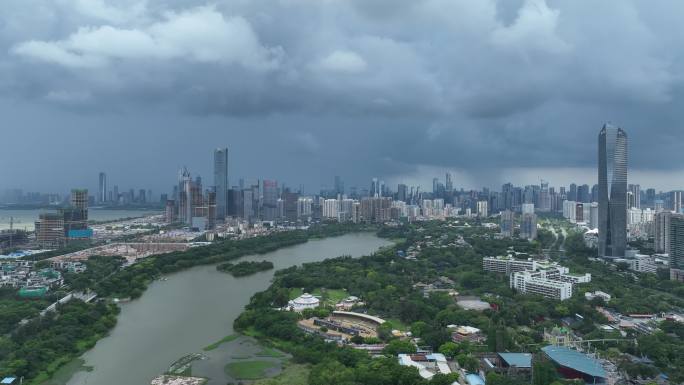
635	189
221	181
677	247
612	176
449	183
661	239
339	185
102	188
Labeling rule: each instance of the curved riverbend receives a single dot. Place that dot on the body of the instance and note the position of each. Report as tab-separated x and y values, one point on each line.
192	309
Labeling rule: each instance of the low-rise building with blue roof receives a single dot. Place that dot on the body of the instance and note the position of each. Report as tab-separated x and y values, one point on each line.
572	364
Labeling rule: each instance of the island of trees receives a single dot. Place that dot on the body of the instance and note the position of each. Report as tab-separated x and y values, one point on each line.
245	268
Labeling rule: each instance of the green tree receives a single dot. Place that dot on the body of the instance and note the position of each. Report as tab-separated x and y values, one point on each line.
398	346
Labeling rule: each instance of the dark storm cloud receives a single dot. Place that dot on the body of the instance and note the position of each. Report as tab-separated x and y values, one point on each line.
356	87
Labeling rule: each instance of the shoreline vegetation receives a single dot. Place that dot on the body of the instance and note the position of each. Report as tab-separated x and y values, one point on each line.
243	269
39	348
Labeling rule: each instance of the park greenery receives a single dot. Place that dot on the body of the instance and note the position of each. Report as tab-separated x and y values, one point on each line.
244	268
38	348
385	281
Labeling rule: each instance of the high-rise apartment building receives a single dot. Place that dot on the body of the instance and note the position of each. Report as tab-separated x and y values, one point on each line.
661	239
270	202
507	223
635	200
50	230
612	176
528	226
677	247
221	181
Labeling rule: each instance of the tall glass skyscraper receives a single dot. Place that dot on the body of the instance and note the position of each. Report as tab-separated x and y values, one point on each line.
221	181
612	176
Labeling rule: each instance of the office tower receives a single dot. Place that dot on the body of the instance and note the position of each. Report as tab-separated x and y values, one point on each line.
339	186
115	194
449	183
612	176
594	193
507	223
402	192
102	188
270	203
375	188
677	247
142	196
528	226
544	198
383	188
661	239
650	197
635	189
290	205
676	201
435	187
572	192
221	181
185	196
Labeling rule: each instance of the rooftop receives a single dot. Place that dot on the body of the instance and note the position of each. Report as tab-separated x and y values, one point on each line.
575	360
520	360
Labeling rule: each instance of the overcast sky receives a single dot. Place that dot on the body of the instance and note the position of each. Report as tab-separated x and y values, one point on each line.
302	90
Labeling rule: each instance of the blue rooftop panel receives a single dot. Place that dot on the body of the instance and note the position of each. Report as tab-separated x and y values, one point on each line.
575	360
520	360
474	379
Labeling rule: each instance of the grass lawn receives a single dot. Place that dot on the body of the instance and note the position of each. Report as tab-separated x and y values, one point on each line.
269	352
216	344
397	324
291	375
249	370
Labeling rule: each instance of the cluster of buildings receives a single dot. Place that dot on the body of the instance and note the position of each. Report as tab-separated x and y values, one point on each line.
547	279
31	282
528	222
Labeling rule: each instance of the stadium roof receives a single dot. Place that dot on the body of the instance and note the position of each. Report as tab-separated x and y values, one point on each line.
520	360
575	360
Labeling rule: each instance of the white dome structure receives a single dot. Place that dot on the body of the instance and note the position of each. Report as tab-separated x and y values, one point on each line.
304	301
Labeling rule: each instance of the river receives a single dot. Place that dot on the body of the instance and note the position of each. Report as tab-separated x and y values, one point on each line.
193	309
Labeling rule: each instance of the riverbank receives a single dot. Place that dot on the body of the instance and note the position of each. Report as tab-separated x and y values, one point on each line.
156	318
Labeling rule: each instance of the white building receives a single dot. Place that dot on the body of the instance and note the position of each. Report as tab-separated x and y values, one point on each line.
482	209
593	215
330	208
570	210
427	364
304	301
507	265
527	208
531	282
